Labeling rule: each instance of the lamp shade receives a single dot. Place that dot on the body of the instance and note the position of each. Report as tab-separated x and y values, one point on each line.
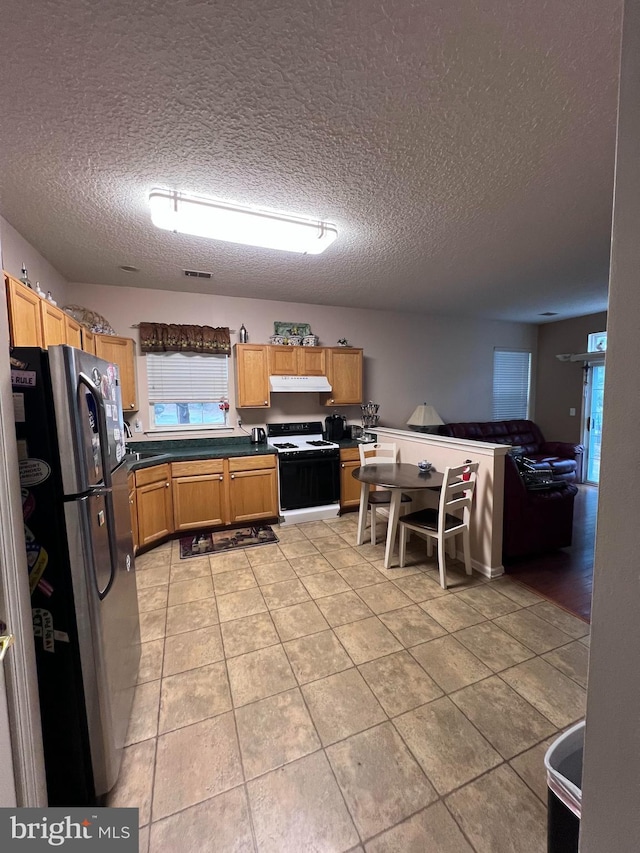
424	416
234	223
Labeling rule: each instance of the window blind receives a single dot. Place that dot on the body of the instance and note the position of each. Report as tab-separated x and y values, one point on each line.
511	382
178	377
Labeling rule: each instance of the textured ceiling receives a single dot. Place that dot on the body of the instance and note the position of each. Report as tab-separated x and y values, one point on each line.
464	148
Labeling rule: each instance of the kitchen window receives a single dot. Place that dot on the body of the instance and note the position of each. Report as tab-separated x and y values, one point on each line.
187	391
511	384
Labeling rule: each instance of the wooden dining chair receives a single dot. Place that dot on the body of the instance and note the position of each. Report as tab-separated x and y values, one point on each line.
379	452
443	523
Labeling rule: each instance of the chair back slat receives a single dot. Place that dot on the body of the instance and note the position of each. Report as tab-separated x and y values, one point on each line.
457	493
378	452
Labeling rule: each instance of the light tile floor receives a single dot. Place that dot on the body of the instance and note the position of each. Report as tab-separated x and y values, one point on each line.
300	697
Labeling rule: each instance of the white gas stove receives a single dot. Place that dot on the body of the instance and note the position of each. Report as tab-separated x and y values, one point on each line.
309	470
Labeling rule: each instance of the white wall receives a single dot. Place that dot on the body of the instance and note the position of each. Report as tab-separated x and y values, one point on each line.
409	358
611	776
560	383
17	251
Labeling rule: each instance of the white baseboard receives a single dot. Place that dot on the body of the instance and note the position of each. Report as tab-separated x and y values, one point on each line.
312	513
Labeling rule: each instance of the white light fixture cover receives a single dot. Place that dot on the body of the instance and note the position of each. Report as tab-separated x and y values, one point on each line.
234	223
424	416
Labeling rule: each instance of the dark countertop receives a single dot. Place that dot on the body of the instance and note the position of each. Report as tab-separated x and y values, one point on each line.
186	450
194	449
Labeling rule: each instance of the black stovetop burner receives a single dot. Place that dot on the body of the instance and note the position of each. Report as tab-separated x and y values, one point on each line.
320	443
285	446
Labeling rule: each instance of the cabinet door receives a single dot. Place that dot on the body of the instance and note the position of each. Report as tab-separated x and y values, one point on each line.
198	501
312	361
88	341
73	331
252	377
344	370
25	323
349	487
121	351
53	324
253	495
253	488
155	511
283	361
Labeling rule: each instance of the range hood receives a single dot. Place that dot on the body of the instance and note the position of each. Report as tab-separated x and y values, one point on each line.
299	383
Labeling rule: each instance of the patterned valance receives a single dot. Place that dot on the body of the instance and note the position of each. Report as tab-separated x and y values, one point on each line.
163	337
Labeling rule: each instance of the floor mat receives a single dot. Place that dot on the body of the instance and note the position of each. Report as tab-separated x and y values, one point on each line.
225	540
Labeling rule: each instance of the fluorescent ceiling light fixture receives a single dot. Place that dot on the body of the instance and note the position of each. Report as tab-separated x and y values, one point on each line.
234	223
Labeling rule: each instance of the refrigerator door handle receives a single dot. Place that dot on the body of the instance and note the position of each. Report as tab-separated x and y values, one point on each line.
102	426
106	476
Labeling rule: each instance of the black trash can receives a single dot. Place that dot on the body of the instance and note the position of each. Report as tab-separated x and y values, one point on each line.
563	761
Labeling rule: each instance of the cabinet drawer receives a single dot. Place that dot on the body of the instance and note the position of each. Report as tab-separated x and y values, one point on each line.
251	463
152	475
350	454
204	466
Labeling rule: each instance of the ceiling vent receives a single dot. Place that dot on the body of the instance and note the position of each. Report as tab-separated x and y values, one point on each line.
197	274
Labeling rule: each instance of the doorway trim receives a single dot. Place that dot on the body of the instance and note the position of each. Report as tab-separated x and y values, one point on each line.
20	678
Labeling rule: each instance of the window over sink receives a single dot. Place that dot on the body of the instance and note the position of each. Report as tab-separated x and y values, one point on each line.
187	391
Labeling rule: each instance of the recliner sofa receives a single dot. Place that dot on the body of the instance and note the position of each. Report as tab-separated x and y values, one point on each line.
535	521
563	460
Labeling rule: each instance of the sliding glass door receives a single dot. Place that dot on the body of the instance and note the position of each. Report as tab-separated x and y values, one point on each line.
592	434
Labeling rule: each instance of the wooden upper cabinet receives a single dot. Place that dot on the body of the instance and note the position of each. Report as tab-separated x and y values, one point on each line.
252	376
312	361
73	331
283	361
121	351
297	361
88	341
54	330
344	370
25	321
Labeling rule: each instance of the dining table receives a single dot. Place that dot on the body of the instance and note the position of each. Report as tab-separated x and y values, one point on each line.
398	477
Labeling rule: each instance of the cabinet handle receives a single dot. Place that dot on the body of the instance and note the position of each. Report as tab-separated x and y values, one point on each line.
167	485
233	476
221	477
266	402
131	405
342	466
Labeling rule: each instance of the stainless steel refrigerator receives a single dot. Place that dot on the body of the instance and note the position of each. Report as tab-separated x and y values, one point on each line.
69	429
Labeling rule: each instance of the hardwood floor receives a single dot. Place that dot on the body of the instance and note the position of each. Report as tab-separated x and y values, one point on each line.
566	576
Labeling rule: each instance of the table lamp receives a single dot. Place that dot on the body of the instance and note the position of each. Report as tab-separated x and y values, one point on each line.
424	419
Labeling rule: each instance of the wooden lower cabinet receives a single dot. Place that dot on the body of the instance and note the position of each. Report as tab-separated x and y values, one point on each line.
154	504
253	488
349	487
202	494
198	494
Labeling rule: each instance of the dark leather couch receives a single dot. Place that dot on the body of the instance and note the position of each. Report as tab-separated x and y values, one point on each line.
561	459
535	521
